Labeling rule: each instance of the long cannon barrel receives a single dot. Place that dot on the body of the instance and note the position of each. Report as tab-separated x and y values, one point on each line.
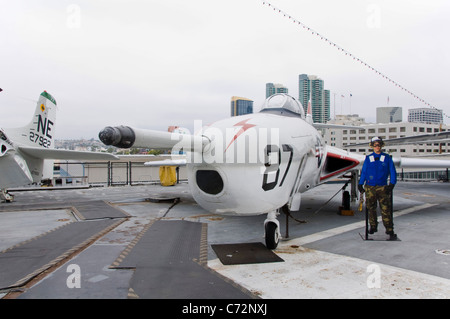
127	137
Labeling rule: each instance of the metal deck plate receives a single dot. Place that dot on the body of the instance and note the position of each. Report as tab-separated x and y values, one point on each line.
167	258
245	253
25	261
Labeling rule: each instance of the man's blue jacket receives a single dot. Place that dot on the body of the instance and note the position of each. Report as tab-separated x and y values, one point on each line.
376	170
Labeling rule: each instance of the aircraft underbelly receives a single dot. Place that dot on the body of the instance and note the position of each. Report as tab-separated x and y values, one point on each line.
14	171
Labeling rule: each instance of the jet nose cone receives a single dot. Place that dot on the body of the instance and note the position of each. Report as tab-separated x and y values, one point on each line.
109	135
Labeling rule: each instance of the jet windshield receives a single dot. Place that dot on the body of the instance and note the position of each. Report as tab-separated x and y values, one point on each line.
283	102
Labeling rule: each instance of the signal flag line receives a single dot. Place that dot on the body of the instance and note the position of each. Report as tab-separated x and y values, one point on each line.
339	48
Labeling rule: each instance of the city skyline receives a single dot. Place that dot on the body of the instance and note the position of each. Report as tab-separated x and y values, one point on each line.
161	64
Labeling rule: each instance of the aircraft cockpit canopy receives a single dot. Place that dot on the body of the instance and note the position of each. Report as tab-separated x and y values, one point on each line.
283	104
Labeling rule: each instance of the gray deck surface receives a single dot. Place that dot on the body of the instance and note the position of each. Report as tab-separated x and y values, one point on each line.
127	247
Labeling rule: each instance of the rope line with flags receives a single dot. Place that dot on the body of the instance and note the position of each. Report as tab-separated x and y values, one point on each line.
339	48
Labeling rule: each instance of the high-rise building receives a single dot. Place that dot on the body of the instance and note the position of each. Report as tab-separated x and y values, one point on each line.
425	115
304	90
311	87
389	114
241	106
272	89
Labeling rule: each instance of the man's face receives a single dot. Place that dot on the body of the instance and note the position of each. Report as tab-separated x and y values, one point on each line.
377	147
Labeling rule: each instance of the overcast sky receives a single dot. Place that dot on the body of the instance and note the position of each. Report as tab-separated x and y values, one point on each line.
151	64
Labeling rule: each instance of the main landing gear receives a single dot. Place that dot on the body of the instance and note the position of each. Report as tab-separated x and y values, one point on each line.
5	196
272	230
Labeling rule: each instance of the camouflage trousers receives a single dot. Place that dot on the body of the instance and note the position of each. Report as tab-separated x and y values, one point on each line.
382	195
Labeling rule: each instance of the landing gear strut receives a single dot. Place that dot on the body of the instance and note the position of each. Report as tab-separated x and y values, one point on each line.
5	196
272	230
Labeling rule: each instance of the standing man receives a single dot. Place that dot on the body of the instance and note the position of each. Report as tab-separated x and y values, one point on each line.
376	169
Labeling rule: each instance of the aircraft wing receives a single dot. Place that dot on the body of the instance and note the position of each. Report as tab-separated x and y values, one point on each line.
347	127
167	162
441	137
57	154
406	162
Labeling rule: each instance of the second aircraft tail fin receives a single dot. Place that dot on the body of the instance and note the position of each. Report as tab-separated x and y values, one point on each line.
40	131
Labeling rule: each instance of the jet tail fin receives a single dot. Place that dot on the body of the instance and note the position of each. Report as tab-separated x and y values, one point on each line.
40	131
309	118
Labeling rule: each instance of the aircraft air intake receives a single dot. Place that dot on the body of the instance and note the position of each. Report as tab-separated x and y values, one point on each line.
3	149
209	181
119	136
5	144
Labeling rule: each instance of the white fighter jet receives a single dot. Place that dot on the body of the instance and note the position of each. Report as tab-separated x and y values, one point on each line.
26	153
252	164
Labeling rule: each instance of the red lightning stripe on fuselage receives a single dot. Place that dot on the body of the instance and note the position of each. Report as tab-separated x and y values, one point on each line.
245	127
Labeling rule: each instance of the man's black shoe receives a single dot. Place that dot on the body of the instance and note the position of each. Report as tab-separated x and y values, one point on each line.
392	236
373	230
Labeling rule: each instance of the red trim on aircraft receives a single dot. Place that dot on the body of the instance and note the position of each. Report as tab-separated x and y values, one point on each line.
336	164
245	127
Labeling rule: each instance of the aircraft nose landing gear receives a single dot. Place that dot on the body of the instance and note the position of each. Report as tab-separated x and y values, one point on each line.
272	230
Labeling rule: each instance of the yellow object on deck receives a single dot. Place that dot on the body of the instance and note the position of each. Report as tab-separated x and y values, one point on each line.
345	212
167	175
361	201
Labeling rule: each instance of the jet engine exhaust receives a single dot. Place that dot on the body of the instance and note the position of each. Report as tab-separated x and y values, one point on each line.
119	136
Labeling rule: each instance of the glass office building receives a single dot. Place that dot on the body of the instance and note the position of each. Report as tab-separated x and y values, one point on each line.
311	87
389	114
425	115
241	106
272	89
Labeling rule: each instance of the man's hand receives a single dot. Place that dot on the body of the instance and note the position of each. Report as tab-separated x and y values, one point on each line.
361	188
391	187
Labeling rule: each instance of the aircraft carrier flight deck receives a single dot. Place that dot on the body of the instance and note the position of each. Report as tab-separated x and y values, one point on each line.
154	242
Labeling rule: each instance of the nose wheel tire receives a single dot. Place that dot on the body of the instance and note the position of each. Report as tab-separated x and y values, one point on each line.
272	235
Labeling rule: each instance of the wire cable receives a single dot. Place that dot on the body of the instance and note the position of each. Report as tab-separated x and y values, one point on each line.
347	53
